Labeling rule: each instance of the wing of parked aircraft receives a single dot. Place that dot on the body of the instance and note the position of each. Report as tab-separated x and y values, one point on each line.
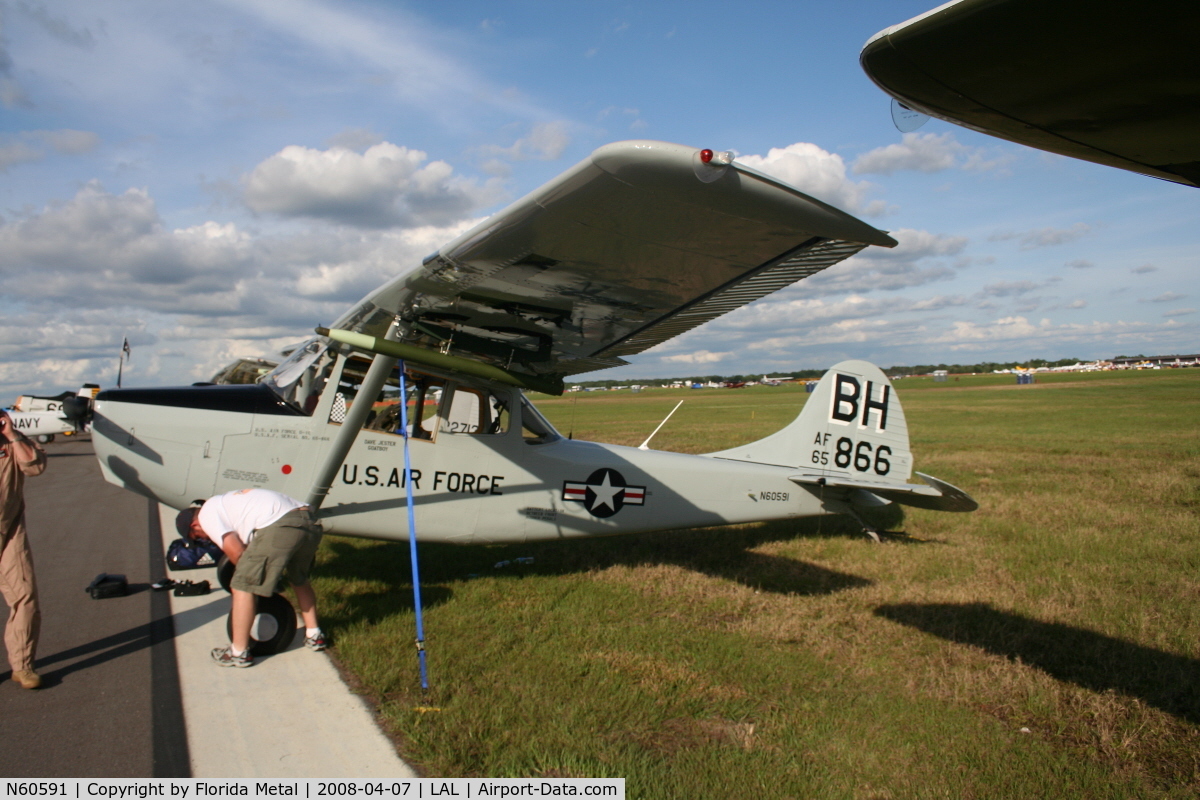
638	243
1111	82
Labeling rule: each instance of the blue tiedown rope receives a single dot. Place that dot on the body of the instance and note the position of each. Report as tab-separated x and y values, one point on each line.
412	529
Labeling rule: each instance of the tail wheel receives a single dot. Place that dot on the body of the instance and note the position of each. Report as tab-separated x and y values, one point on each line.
274	626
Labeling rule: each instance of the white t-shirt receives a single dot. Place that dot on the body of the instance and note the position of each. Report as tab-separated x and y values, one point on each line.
243	512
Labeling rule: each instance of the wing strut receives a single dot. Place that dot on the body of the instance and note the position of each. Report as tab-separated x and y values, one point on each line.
412	530
381	367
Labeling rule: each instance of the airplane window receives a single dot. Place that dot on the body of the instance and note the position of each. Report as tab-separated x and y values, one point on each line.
476	411
424	396
535	429
300	379
348	386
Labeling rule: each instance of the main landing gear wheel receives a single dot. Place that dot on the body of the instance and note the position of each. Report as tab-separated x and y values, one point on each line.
44	438
274	626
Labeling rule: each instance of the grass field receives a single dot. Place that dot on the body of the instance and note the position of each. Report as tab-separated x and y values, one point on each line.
1047	645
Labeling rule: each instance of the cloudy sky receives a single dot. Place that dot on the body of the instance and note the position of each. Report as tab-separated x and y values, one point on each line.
213	178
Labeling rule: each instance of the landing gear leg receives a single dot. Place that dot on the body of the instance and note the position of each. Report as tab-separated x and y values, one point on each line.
867	529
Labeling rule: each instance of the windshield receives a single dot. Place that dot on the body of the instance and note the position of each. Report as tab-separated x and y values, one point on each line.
535	428
300	379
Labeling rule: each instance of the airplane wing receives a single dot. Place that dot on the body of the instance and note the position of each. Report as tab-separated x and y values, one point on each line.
638	243
1105	81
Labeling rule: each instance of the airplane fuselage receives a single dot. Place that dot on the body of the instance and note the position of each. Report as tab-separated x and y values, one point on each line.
468	487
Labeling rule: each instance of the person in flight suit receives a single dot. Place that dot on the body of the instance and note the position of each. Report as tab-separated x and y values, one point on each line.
19	458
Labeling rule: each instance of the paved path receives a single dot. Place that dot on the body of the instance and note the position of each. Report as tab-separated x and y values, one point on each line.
130	690
296	718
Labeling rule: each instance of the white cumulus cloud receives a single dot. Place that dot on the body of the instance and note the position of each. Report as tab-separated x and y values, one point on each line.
813	171
387	186
698	357
924	152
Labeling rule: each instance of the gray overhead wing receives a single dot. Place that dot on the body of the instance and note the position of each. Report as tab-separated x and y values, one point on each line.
638	243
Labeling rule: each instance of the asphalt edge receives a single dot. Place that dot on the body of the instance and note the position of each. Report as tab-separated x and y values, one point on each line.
171	758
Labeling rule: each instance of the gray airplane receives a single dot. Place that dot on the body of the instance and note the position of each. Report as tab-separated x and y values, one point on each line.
639	243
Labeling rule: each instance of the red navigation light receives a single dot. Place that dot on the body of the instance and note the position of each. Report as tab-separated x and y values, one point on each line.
706	156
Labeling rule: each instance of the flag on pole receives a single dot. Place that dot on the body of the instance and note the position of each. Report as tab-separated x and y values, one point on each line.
121	359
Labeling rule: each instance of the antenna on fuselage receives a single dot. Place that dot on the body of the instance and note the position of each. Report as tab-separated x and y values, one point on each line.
643	445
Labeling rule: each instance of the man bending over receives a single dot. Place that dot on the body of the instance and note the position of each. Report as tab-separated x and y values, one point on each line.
267	536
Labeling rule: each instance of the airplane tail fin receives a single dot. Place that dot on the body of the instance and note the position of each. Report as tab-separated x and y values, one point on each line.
852	435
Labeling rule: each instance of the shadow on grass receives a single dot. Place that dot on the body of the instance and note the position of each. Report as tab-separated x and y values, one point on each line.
724	552
376	562
1091	660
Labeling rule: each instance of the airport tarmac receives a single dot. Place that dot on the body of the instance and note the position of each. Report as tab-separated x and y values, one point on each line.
130	689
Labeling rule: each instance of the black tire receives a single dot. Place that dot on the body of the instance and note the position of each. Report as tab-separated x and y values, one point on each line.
44	438
275	621
225	569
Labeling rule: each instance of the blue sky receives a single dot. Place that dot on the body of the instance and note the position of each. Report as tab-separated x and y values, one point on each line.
214	178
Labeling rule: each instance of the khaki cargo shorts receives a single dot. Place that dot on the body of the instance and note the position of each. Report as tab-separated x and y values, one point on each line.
284	549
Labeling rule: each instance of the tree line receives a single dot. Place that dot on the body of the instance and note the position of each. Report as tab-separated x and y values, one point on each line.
810	374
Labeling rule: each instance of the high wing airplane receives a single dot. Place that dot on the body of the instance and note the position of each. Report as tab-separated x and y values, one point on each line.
1105	81
633	246
42	418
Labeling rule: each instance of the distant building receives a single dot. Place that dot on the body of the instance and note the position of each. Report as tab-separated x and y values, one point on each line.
1161	361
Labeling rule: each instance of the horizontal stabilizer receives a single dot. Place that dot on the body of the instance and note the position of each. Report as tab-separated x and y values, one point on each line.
934	494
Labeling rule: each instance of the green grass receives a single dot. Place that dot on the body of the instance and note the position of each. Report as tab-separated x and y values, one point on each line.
1044	646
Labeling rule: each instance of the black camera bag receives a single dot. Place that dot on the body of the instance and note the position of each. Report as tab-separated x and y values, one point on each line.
105	585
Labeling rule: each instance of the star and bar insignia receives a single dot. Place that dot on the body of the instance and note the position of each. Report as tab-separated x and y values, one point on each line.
604	493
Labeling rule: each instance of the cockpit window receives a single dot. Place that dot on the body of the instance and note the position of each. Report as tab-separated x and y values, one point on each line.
301	378
421	406
476	411
424	398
